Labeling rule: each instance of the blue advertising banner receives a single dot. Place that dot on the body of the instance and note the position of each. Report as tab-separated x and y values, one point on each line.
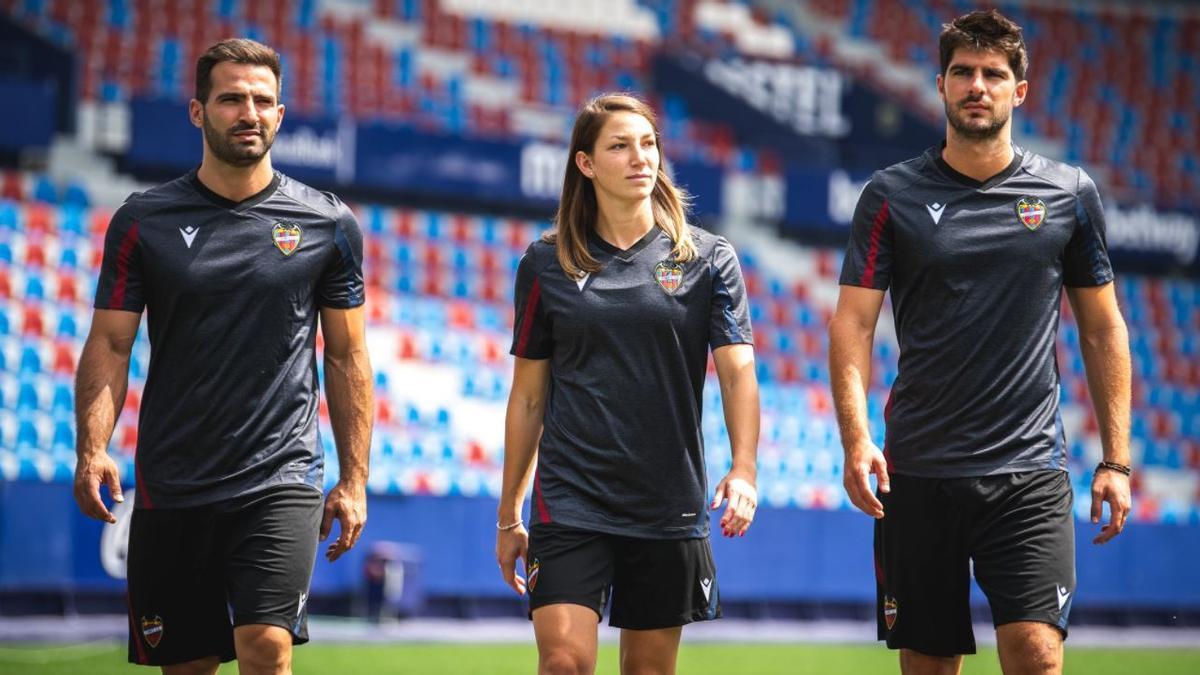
399	158
789	555
29	116
765	106
703	183
819	200
815	116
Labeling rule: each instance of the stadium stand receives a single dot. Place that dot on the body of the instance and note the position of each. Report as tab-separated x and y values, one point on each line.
503	68
1111	83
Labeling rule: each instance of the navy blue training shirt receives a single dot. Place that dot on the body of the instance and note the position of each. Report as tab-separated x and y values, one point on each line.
976	272
622	450
232	293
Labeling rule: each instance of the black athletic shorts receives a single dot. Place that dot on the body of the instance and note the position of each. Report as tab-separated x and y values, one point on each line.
195	573
653	583
1017	530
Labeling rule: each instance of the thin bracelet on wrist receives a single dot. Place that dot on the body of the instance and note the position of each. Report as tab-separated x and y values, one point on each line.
513	526
1113	466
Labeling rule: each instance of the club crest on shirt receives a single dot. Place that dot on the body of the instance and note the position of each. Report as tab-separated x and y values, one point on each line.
669	275
286	237
1031	211
152	630
531	574
889	611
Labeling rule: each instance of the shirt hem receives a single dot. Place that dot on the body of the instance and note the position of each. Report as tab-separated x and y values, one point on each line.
209	500
630	531
970	472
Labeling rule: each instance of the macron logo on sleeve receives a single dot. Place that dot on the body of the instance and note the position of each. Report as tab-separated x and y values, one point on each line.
189	234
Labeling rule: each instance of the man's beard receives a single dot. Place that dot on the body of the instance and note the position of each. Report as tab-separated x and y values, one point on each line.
977	133
232	152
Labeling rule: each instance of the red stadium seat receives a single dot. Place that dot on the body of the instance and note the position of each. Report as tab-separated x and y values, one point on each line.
32	323
127	437
493	351
476	454
64	359
35	254
407	349
133	402
12	185
383	410
68	288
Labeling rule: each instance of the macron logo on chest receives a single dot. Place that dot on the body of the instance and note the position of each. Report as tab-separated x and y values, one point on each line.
935	211
189	234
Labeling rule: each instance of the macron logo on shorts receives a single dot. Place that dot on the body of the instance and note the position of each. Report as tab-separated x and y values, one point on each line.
706	586
1063	594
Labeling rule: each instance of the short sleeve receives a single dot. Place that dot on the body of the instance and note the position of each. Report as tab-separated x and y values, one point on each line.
532	336
729	318
1085	260
120	284
868	261
341	285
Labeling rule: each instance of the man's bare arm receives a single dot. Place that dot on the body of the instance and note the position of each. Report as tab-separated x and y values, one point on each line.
1104	341
851	335
100	385
350	391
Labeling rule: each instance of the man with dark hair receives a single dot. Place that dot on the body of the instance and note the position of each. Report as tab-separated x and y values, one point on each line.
234	263
976	239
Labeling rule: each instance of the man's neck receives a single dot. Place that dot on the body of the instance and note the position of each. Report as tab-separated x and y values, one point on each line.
978	158
235	183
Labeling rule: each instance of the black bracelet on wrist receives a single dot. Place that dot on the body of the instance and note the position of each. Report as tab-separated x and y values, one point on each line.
1119	468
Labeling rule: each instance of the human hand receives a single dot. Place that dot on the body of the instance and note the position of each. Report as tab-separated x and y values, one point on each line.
862	460
512	544
90	473
1112	487
738	488
347	504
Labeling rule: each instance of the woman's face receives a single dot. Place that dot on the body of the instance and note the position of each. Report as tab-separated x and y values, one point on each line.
623	164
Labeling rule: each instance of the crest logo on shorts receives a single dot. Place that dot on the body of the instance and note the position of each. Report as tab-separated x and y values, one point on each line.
1031	211
286	237
531	574
889	611
669	275
152	630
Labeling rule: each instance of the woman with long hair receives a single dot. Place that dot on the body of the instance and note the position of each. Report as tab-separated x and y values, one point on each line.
616	310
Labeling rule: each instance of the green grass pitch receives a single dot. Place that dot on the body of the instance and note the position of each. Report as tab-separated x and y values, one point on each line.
503	659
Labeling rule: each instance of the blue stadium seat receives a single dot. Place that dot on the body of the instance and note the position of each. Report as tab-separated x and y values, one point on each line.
66	326
71	217
64	399
75	196
34	288
44	190
64	436
27	434
31	361
8	216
